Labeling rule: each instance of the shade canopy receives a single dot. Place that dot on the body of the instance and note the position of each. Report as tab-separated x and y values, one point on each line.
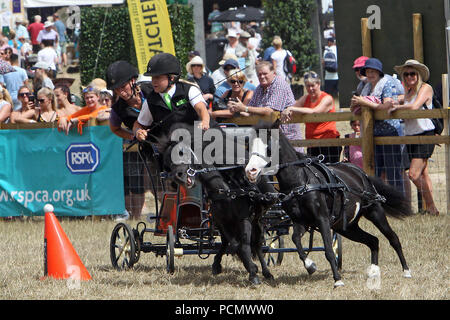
243	14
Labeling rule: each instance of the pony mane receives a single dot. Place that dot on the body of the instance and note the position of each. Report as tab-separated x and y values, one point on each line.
283	140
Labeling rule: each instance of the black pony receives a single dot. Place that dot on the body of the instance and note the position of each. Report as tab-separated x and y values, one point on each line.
236	205
332	196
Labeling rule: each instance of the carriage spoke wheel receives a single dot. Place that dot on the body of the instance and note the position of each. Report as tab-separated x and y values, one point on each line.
274	241
122	247
170	250
337	249
137	246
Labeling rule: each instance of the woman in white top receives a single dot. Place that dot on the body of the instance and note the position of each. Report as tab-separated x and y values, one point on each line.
278	58
417	94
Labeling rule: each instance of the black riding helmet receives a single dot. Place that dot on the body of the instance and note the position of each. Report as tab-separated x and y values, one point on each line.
120	72
163	63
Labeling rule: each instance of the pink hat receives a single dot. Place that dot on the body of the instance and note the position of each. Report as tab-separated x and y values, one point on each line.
359	62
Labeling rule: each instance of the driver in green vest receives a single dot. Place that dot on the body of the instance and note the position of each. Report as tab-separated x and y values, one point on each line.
172	100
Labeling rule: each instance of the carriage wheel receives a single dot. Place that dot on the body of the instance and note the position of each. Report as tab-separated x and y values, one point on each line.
170	250
137	245
122	247
337	249
274	241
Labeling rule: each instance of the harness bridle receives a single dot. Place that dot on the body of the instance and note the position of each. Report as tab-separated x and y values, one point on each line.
333	184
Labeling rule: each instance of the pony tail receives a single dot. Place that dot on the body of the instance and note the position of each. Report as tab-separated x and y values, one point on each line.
396	204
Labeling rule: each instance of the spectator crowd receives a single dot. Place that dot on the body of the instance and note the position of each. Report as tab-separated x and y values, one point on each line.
249	81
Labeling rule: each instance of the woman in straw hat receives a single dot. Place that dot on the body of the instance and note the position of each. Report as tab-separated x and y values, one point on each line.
417	95
196	68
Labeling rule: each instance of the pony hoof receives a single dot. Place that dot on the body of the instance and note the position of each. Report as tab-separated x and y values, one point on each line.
268	275
338	283
310	266
255	280
407	274
373	281
216	269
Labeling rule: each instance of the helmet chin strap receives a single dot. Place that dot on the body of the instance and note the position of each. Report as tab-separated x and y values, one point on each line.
170	84
133	88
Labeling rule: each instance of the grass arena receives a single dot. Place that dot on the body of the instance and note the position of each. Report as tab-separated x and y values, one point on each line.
424	239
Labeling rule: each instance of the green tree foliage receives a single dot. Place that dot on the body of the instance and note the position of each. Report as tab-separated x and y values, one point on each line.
106	37
182	21
102	46
291	20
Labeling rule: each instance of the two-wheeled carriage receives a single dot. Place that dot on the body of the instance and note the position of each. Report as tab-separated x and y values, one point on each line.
184	219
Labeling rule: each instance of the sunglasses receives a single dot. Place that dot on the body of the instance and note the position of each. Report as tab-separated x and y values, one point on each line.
311	75
197	65
228	68
412	74
88	89
41	100
356	69
24	94
236	81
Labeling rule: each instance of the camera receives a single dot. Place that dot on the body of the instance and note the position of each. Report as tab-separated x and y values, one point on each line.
230	99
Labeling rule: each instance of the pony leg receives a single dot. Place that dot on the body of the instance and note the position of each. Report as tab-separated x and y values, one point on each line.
257	241
355	233
217	265
378	217
245	253
325	231
299	231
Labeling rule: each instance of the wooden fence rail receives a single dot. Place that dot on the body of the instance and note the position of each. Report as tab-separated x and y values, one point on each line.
367	141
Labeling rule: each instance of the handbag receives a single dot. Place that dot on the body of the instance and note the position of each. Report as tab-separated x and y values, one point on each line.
437	122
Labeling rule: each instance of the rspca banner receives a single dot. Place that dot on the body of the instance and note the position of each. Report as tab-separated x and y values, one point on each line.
152	31
78	174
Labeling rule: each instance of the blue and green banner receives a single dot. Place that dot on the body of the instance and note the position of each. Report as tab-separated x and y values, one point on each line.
78	174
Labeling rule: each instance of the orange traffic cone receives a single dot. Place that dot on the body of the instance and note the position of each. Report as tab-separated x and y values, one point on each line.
60	258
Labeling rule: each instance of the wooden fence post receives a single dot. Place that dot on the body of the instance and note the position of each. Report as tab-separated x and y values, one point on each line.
418	37
445	105
366	38
367	145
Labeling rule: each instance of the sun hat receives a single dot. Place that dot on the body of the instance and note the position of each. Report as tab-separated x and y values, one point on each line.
232	33
359	62
195	61
372	63
245	34
420	67
48	24
227	56
40	65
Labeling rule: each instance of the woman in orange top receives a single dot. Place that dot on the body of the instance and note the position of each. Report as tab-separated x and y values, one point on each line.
316	101
93	109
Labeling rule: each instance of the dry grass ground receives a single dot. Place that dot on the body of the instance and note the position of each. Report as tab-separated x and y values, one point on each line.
424	239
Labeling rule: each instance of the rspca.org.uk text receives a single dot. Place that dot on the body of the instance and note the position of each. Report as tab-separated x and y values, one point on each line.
67	196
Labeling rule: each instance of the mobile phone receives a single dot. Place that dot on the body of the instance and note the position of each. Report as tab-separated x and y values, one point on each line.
31	98
354	93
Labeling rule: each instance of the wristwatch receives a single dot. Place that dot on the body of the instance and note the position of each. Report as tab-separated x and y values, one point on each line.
246	109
